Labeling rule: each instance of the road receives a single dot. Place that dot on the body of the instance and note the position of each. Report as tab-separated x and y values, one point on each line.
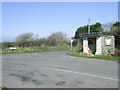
57	70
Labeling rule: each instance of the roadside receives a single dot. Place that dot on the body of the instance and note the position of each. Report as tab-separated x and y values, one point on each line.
58	48
101	57
35	49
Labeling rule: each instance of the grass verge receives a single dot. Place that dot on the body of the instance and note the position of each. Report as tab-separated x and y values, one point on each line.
35	49
104	57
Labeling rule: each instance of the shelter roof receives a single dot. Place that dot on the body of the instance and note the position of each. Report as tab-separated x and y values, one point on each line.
95	35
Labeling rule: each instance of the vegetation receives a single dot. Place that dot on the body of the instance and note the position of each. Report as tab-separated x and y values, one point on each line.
25	37
116	32
30	40
84	30
4	88
35	49
57	38
78	54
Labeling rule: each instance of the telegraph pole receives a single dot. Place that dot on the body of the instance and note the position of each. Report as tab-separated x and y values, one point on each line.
88	25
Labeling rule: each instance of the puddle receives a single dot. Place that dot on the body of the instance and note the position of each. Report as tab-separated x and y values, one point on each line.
60	83
16	75
25	78
31	73
28	79
22	78
79	82
44	75
37	82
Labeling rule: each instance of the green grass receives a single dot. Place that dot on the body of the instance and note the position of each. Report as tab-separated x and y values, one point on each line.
3	88
35	49
78	54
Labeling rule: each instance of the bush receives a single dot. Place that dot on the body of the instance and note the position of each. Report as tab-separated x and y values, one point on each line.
7	45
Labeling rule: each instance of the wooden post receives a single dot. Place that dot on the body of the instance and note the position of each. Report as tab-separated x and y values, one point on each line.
71	44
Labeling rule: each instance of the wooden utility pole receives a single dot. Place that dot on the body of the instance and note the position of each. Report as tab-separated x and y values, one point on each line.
88	25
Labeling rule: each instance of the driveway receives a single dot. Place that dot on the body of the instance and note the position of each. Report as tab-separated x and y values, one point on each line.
57	70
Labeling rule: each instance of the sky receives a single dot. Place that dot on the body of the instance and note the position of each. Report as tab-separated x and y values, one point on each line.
44	18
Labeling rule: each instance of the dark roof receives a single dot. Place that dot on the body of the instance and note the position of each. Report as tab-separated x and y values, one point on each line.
94	35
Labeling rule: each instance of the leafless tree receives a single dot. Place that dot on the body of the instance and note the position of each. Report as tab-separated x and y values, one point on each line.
57	38
25	37
107	26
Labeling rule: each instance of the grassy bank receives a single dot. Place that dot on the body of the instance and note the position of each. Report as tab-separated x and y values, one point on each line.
35	49
78	54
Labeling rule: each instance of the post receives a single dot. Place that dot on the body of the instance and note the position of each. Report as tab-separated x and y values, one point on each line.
88	25
71	44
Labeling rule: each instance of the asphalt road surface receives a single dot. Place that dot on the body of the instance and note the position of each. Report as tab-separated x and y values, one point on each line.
57	70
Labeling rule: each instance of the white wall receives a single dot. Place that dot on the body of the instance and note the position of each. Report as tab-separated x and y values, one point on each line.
85	45
101	47
108	45
98	46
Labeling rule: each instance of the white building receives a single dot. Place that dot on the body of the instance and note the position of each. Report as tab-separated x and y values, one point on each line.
98	44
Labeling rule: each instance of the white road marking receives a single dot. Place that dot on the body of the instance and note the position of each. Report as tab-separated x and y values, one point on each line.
63	70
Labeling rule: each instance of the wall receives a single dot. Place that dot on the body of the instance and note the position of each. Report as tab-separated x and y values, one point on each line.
108	45
104	45
85	45
98	46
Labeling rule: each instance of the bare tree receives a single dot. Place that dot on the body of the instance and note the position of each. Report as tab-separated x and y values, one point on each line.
26	40
107	26
57	38
25	37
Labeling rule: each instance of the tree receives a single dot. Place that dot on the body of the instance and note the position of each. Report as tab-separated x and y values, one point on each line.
25	37
5	45
26	40
107	26
81	30
57	38
84	30
96	27
116	32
